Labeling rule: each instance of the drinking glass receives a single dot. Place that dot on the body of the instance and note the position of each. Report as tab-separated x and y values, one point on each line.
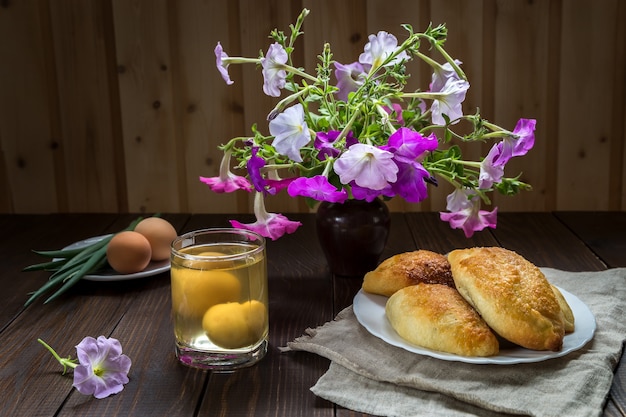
219	298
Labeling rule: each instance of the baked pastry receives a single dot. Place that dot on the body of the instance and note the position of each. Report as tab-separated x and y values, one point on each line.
435	316
511	294
409	268
568	314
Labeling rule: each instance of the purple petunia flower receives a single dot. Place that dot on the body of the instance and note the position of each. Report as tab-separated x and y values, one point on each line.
442	74
317	188
290	132
349	78
254	165
274	74
103	369
220	57
491	170
379	48
450	101
522	140
367	166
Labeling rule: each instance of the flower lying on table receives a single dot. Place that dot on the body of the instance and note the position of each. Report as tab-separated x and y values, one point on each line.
102	369
365	137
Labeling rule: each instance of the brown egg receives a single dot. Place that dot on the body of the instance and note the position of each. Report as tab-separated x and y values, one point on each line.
129	252
160	233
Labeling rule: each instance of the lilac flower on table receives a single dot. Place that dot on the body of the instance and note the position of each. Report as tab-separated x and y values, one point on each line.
102	369
222	67
449	101
274	74
465	213
269	225
367	166
290	132
349	78
317	188
379	48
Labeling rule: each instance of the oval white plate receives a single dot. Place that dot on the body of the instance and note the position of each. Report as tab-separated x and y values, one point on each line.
109	274
370	312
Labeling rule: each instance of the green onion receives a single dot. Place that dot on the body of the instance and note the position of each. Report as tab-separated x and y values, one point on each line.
70	265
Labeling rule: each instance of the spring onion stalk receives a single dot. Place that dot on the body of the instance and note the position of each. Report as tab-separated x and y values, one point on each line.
68	266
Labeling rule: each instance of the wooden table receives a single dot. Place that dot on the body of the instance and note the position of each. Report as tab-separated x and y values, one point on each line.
302	294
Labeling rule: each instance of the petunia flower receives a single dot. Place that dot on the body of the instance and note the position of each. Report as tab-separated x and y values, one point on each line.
222	65
396	110
274	73
490	170
520	142
441	75
226	182
317	188
254	165
367	166
465	213
362	193
379	48
407	144
349	78
269	225
449	101
290	132
102	369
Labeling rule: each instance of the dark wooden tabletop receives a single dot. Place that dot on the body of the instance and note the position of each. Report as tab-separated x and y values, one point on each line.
303	294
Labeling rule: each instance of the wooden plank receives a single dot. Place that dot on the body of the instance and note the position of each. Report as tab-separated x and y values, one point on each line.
27	138
586	144
82	68
520	88
146	93
209	111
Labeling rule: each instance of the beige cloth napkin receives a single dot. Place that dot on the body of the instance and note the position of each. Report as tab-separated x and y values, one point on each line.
368	375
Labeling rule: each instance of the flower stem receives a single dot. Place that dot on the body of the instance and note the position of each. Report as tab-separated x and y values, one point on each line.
63	361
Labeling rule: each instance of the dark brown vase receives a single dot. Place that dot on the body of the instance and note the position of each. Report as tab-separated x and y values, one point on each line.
353	235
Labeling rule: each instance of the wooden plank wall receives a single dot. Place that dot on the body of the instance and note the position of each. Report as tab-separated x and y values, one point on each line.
116	105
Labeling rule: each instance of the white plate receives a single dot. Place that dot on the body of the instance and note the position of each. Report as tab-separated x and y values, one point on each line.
109	274
370	312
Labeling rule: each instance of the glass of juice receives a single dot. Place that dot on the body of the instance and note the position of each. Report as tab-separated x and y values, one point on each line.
219	298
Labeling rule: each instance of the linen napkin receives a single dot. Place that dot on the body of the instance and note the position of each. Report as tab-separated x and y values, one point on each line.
368	375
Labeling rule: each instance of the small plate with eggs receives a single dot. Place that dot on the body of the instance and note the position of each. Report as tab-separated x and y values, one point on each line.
109	274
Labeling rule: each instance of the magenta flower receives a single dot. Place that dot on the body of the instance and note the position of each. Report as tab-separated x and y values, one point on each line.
449	101
379	48
290	132
254	165
465	213
102	369
408	145
361	193
317	188
324	143
396	110
269	225
349	78
274	73
491	171
518	144
367	166
226	182
410	184
222	67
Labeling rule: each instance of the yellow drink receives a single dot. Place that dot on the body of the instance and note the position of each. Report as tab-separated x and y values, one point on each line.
219	301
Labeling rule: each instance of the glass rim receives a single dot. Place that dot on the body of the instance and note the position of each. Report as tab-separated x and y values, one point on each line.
214	231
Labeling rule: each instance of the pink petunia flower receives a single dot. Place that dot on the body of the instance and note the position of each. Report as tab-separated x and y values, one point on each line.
465	213
226	182
491	171
269	225
518	144
317	188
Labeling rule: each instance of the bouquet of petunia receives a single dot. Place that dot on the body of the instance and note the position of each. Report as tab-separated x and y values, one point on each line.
352	132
